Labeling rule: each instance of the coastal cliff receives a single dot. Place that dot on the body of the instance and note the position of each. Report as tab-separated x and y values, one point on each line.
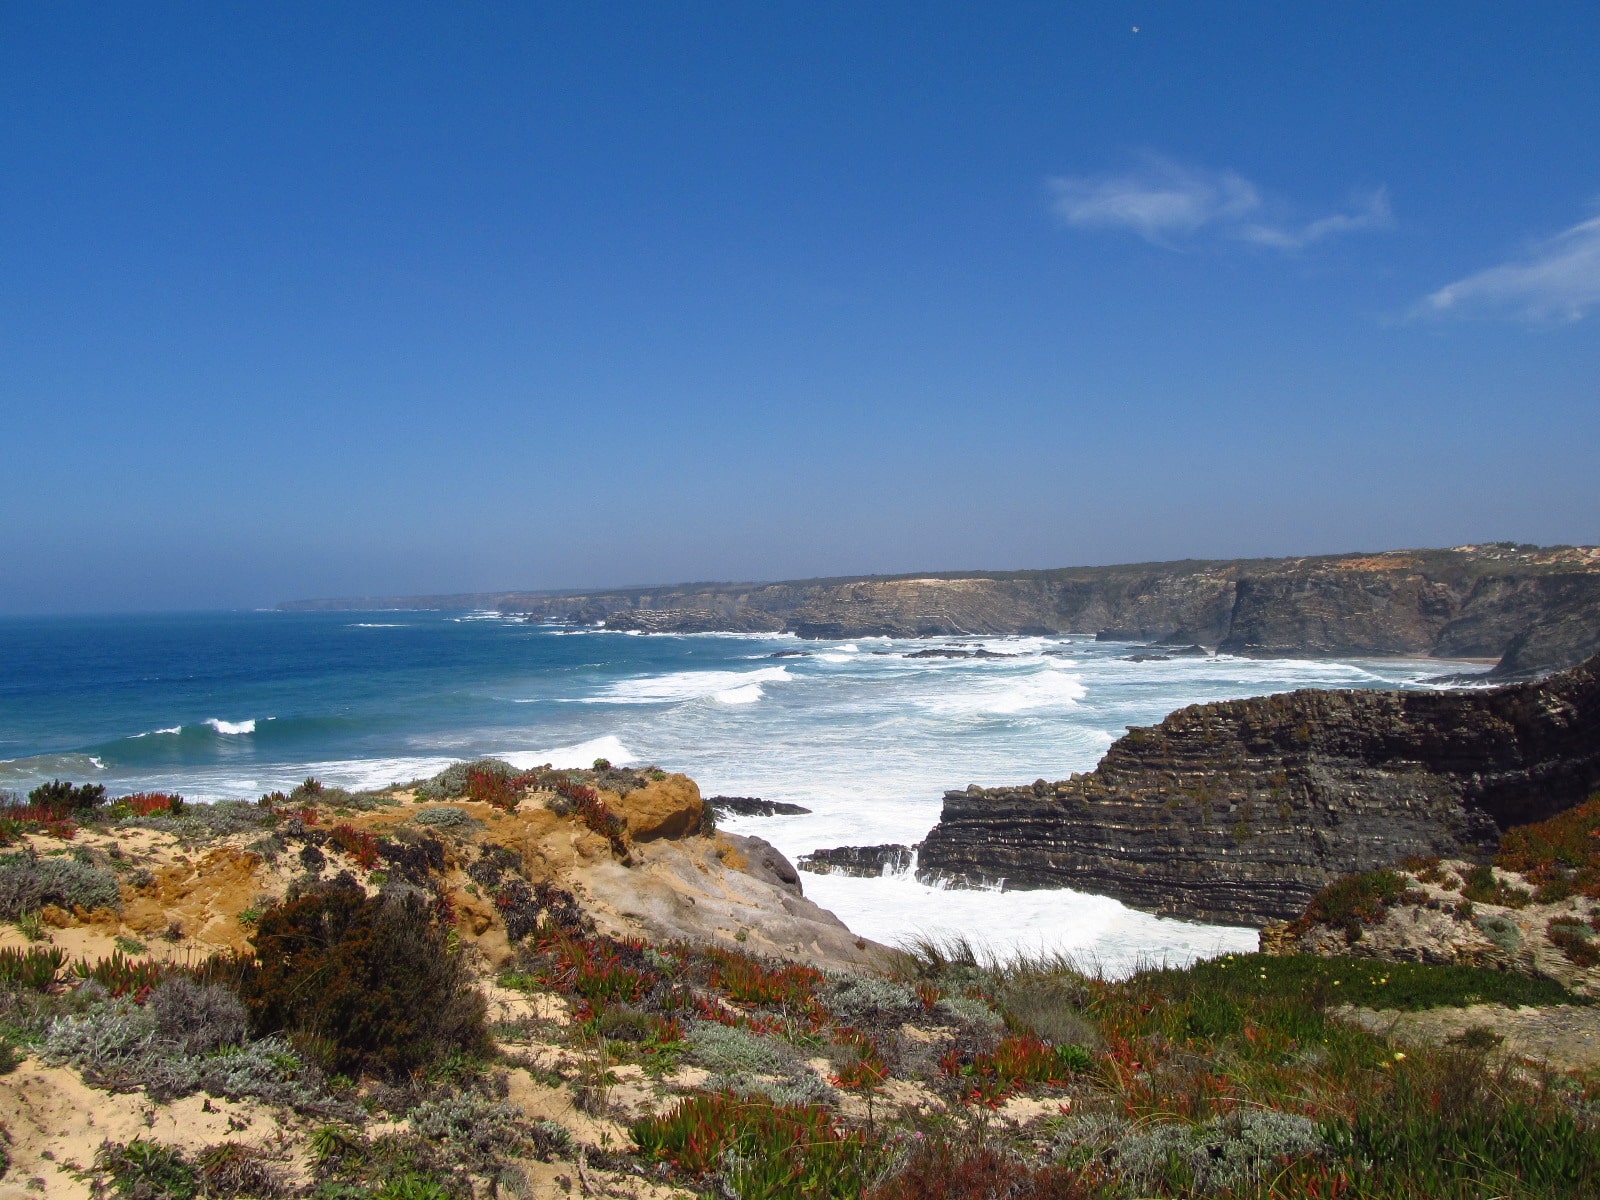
1534	609
1242	810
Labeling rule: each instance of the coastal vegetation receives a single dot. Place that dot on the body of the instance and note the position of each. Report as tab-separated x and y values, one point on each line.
418	1005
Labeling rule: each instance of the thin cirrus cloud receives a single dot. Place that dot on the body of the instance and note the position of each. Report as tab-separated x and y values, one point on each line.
1168	203
1557	280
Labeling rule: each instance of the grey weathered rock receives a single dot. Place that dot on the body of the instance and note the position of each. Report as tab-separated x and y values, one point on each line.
1241	811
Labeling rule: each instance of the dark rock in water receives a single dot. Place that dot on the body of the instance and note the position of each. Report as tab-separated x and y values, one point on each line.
1242	810
951	652
1147	658
1060	653
1190	652
863	861
790	654
754	806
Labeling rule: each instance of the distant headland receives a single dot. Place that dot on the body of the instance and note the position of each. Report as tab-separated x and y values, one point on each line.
1531	609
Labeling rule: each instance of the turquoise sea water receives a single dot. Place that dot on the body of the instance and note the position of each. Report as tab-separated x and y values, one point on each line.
230	705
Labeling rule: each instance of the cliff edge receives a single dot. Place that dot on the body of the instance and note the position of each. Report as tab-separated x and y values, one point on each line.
1240	811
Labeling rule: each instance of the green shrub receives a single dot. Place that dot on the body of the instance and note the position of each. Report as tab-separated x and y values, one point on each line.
68	797
28	883
373	981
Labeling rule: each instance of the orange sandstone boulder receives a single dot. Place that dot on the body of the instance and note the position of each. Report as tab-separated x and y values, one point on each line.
663	808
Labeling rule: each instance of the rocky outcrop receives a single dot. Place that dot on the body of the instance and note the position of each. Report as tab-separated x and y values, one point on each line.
862	861
1537	607
1433	921
669	807
1240	811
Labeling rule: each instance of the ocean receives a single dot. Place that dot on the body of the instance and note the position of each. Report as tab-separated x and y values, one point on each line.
230	705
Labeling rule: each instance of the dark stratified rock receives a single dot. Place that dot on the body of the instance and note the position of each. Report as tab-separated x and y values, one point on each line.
865	861
790	654
754	806
1148	658
1241	811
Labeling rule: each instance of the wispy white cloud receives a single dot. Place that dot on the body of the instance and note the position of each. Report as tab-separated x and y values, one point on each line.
1167	202
1558	280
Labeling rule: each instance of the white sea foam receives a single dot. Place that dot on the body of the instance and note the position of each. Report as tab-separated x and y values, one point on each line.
749	694
231	728
680	686
160	732
583	754
1043	688
379	625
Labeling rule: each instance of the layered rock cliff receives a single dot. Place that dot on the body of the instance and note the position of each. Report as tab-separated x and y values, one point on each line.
1242	810
1537	607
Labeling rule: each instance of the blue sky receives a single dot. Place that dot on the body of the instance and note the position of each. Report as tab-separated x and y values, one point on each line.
362	299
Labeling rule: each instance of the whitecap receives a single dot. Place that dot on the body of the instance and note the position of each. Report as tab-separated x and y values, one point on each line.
680	686
1050	687
583	754
378	625
748	694
231	728
159	732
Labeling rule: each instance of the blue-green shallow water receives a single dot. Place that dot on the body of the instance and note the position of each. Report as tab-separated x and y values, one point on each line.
234	704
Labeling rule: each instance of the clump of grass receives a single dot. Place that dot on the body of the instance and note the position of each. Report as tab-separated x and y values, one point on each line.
759	1149
35	968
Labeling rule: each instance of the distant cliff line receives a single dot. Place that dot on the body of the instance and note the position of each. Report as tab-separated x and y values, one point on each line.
1532	609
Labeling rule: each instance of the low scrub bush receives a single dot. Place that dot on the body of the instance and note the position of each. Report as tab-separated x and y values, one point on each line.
28	882
444	817
373	980
198	822
198	1018
1353	901
122	1045
455	781
1575	940
869	1000
1222	1156
1483	886
1567	842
